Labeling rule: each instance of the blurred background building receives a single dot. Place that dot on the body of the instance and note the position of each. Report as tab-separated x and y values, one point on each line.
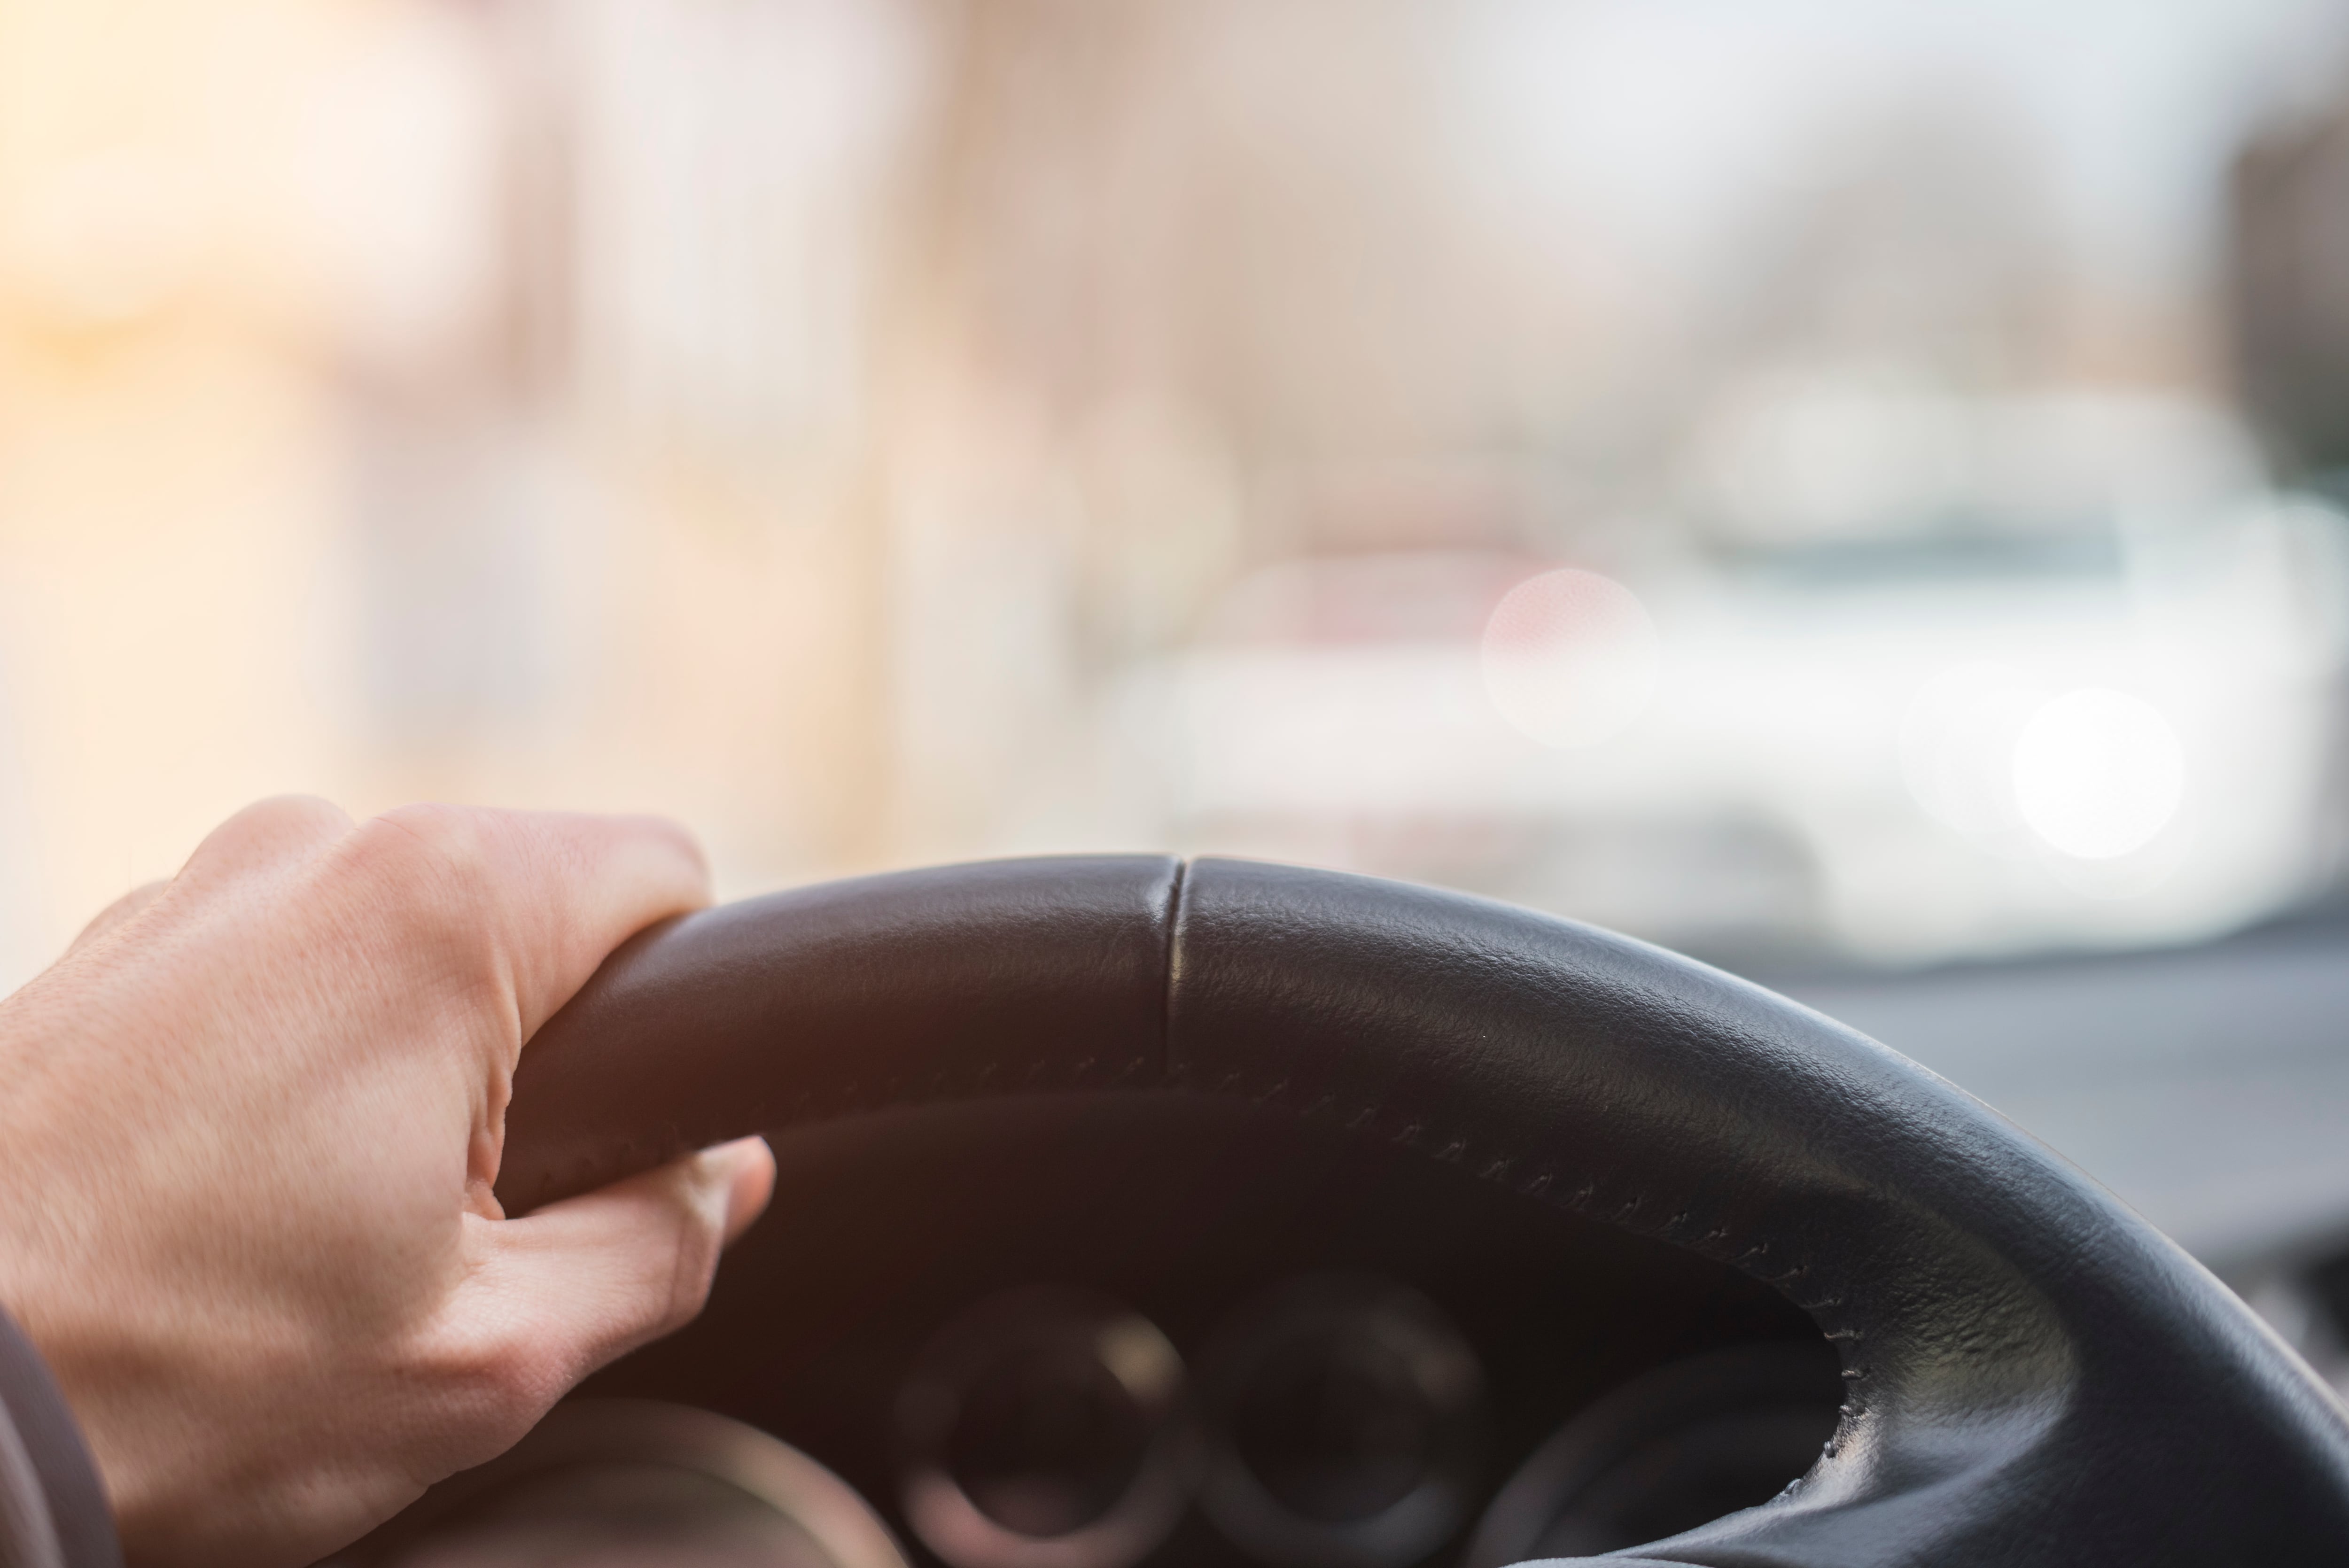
1801	478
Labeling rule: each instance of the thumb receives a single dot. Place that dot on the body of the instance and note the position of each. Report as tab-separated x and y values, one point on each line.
583	1282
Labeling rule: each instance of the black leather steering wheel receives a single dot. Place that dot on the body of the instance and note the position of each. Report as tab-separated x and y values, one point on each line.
2034	1375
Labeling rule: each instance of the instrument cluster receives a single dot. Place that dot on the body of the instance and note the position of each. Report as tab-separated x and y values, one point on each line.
1334	1421
1155	1331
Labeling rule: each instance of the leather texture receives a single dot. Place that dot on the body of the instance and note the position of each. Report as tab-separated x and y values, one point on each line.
2034	1375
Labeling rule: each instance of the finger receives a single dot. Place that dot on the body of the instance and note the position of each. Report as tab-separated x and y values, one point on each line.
549	894
753	1185
580	1282
119	913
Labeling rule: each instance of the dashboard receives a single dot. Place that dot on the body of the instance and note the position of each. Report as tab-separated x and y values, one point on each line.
2204	1085
1099	1331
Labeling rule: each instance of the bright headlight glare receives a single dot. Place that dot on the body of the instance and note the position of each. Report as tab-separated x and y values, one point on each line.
2098	773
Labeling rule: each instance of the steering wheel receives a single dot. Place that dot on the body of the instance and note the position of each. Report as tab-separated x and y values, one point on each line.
2031	1374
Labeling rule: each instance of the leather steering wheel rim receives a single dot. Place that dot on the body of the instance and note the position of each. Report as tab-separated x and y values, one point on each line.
2034	1375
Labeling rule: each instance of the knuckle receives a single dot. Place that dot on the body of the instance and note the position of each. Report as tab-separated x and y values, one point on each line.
427	871
432	891
696	1267
500	1382
272	832
296	815
676	1237
122	911
432	841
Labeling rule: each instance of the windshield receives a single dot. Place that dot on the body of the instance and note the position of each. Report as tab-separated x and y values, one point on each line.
1792	479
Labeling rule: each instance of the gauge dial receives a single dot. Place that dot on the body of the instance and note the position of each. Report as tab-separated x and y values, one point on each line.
1345	1418
1042	1428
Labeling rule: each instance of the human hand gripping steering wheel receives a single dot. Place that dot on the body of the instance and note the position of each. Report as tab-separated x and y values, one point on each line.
255	1134
249	1135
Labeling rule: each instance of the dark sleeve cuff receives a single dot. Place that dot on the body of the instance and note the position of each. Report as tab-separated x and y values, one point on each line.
52	1508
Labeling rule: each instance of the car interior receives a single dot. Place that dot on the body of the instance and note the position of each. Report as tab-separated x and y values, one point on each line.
1222	1212
1550	778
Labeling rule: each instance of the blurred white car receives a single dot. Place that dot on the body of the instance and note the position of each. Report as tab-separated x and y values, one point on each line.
1900	748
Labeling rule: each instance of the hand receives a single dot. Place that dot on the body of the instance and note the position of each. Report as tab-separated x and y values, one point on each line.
248	1129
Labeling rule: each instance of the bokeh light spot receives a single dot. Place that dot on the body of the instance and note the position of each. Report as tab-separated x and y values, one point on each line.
1570	657
2098	773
